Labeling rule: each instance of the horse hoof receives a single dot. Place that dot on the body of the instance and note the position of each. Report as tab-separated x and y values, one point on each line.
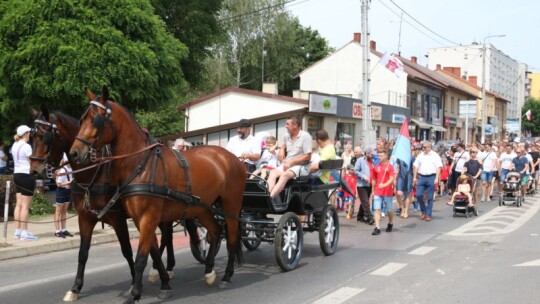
153	276
171	274
224	285
71	296
210	277
129	301
164	294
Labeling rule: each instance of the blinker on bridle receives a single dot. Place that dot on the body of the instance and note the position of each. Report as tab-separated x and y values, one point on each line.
99	123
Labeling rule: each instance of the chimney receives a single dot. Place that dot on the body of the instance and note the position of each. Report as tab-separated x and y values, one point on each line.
456	71
438	67
373	45
357	37
414	59
270	88
473	80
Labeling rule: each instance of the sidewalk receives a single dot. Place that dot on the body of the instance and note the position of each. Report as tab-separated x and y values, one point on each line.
44	229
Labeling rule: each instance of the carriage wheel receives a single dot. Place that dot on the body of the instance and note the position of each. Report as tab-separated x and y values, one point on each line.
200	251
329	230
500	201
289	241
255	237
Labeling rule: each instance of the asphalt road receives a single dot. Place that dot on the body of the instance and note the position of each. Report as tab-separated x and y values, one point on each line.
493	258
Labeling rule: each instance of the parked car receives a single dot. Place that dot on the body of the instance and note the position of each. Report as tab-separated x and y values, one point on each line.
447	144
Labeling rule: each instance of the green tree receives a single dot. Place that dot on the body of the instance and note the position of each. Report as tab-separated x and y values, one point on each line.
50	50
193	22
532	126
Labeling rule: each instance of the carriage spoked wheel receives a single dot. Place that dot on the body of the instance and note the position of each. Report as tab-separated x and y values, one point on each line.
254	237
289	241
329	230
200	251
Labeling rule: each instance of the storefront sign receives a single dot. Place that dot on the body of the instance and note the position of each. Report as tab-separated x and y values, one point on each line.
376	113
357	111
322	104
398	118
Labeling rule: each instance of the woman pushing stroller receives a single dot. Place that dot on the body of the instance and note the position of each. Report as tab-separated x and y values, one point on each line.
472	169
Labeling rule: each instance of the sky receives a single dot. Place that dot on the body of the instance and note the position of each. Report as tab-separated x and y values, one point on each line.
448	23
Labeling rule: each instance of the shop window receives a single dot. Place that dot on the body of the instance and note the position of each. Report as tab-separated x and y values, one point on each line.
313	125
218	138
392	133
195	140
344	135
269	126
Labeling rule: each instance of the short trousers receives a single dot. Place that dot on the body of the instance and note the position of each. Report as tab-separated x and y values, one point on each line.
63	195
24	183
524	180
378	201
487	176
340	194
403	185
503	175
3	170
298	170
348	199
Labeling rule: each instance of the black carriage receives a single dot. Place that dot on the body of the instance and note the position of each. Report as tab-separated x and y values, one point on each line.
304	208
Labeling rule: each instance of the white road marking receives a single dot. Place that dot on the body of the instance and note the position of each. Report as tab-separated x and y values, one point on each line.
339	296
388	269
519	215
529	264
422	250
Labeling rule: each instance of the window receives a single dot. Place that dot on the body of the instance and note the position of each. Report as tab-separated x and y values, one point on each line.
218	138
435	107
344	135
269	126
195	140
392	133
313	125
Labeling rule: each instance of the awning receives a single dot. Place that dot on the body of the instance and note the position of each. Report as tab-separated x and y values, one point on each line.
421	124
439	128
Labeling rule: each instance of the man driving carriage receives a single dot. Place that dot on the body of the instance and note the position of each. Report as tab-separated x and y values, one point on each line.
245	146
294	154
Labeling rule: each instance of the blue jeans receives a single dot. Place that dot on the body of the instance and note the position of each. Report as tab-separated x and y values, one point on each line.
425	184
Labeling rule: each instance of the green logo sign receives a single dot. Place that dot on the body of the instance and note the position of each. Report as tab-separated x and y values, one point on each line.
326	104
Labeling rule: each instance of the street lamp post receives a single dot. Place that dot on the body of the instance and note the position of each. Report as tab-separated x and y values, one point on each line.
484	51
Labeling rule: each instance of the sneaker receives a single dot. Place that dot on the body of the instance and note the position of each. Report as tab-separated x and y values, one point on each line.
59	234
383	215
415	209
370	221
67	233
483	199
17	235
28	237
376	231
361	219
398	211
389	227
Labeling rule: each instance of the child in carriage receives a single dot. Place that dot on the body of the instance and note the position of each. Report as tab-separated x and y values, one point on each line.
463	188
268	160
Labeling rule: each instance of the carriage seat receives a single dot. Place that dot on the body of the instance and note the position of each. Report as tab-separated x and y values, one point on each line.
329	165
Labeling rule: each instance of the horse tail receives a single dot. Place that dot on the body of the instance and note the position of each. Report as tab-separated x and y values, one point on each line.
239	252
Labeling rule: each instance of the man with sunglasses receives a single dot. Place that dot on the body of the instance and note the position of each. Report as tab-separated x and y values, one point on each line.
427	168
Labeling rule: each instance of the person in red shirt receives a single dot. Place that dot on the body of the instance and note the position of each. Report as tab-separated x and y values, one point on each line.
382	182
348	198
445	172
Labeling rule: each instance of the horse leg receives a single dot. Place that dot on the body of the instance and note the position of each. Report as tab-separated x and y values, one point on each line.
165	291
213	234
191	229
147	230
86	226
166	242
234	249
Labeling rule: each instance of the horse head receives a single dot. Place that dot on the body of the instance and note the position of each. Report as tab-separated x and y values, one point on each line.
96	128
46	152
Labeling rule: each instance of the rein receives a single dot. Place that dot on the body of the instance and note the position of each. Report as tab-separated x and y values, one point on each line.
104	160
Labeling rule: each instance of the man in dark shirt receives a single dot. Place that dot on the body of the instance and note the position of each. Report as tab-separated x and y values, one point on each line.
473	168
521	164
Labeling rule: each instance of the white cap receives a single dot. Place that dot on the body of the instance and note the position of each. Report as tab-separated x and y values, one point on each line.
23	129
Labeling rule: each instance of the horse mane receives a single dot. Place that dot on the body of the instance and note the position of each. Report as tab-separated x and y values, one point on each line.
130	116
66	118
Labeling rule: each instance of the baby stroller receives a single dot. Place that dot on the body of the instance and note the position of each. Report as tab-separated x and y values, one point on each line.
511	189
461	201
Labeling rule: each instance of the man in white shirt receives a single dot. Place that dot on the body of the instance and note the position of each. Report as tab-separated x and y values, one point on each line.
489	163
245	146
427	169
460	158
504	163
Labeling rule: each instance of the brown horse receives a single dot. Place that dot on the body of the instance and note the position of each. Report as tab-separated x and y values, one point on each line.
193	183
53	135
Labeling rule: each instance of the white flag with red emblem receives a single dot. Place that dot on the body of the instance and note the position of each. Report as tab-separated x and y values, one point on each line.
529	115
393	64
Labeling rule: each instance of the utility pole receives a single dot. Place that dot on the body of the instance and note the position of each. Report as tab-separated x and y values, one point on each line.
366	104
484	122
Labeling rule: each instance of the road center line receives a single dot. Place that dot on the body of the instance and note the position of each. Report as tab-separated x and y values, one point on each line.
388	269
422	250
339	296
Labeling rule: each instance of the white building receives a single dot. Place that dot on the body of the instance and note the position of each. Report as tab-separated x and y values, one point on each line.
505	76
340	73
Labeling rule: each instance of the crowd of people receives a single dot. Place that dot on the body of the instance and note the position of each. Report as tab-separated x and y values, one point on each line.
383	186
